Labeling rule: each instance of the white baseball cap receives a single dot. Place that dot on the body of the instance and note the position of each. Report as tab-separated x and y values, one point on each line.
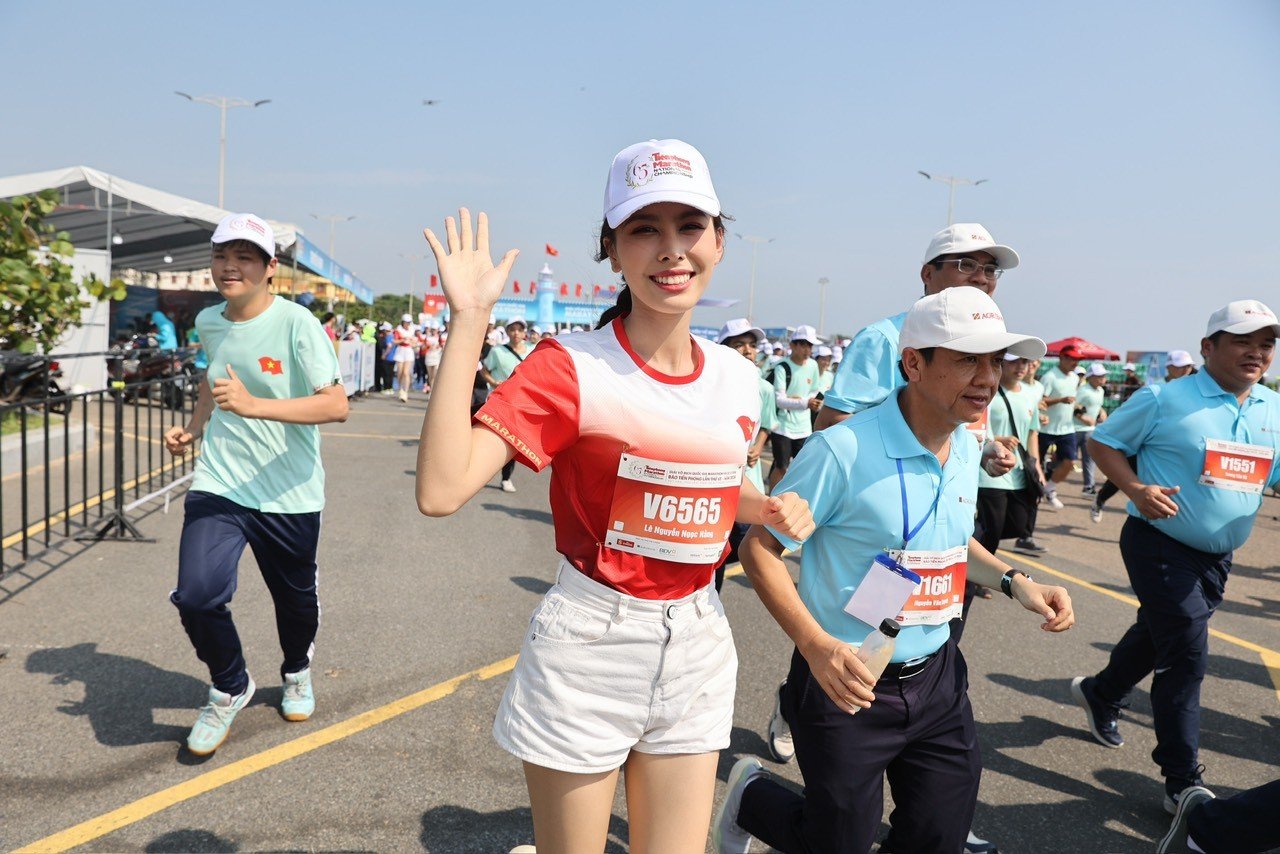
384	326
660	170
1012	357
969	237
963	319
406	318
821	350
1097	369
1242	317
1130	366
246	226
738	326
1080	370
1179	359
513	321
837	353
805	333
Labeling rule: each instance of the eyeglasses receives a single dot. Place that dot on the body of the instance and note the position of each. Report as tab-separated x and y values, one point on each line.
968	266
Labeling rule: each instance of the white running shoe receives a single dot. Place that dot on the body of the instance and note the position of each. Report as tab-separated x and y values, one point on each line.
404	397
1095	513
780	743
1052	502
508	486
726	836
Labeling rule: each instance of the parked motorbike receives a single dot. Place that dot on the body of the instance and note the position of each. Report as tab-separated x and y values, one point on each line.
31	379
143	362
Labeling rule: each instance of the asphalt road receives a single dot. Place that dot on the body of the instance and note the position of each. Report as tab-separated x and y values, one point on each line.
98	684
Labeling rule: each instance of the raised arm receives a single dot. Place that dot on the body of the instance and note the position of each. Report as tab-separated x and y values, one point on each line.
456	459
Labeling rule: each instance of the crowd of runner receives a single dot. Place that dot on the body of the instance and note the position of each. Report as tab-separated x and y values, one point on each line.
899	461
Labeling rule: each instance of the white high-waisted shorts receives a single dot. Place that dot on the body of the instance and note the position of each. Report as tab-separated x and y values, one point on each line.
602	673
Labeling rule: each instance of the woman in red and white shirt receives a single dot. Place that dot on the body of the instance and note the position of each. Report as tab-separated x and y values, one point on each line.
629	659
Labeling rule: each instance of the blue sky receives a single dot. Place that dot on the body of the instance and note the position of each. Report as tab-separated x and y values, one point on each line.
1131	148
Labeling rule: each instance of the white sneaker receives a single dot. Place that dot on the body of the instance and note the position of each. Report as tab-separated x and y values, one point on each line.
726	836
1052	502
508	486
523	849
780	743
1095	513
404	397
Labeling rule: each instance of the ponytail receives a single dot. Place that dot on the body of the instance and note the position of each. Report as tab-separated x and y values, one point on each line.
619	309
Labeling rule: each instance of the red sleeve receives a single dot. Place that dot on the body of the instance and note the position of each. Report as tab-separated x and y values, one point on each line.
536	408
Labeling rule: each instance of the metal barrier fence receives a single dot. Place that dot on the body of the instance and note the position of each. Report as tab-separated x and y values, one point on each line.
75	465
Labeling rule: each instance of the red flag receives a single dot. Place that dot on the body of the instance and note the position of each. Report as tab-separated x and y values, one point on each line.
270	365
551	250
533	288
595	290
516	286
434	283
577	290
613	289
564	289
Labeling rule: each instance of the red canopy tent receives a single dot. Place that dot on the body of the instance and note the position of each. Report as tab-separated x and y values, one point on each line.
1088	350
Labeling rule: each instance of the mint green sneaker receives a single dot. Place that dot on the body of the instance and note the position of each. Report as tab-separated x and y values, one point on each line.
299	700
215	719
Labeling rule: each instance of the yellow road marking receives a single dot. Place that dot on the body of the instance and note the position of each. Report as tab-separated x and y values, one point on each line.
412	438
100	826
1270	658
83	506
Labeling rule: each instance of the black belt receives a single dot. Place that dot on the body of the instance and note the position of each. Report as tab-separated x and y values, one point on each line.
907	669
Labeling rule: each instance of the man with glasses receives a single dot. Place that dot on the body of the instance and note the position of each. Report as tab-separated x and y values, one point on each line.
960	254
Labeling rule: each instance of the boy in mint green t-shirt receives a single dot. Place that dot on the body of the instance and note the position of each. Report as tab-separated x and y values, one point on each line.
273	378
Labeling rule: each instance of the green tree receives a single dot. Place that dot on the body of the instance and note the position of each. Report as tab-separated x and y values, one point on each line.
39	297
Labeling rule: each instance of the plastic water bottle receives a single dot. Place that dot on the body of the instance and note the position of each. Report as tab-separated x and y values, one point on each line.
877	649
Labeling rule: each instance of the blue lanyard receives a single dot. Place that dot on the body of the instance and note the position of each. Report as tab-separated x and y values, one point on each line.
908	535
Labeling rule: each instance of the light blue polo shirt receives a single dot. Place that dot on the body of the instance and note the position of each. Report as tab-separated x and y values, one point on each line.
1166	426
848	473
1061	415
869	368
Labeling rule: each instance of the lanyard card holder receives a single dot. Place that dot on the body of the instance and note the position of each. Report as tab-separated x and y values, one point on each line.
883	592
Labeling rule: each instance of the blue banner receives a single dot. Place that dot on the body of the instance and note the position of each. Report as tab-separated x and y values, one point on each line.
309	255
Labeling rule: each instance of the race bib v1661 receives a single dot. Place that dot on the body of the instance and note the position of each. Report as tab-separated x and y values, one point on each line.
939	597
681	512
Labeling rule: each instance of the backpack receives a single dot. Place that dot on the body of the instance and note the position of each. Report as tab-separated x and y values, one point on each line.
785	365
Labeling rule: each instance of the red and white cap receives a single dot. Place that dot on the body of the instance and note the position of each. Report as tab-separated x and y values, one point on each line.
246	226
963	319
969	237
1241	318
660	170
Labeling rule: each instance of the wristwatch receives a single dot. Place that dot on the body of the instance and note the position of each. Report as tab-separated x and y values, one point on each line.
1006	581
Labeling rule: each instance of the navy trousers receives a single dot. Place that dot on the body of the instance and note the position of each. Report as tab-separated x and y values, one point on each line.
919	733
1244	824
214	535
1178	589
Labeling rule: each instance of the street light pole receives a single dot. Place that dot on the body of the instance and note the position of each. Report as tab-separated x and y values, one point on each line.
951	182
413	273
751	293
822	304
332	219
223	103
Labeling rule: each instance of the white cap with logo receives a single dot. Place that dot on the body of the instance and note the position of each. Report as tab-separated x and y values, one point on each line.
738	326
969	237
1097	369
1241	318
1179	359
805	333
963	319
246	226
660	170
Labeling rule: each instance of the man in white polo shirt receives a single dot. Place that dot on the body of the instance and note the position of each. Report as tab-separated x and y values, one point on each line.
894	486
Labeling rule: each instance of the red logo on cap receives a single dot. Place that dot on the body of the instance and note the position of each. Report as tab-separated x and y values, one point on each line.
270	365
245	222
987	315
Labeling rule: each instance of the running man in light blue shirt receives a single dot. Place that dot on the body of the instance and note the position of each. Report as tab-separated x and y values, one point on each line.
1206	449
960	254
897	482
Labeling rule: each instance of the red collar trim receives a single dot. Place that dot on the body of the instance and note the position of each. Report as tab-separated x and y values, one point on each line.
698	358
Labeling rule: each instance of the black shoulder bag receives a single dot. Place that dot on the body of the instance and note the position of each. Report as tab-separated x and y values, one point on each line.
1035	486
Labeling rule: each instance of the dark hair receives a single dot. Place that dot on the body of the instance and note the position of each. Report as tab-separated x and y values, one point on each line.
623	306
328	315
925	352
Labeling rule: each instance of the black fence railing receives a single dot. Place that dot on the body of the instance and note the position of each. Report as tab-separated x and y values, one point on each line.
74	465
